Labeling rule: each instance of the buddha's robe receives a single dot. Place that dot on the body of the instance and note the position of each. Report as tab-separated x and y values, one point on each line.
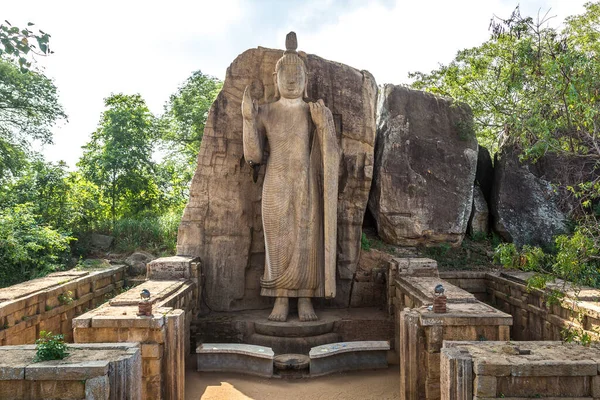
299	199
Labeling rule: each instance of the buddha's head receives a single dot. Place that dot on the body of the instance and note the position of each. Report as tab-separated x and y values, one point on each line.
290	71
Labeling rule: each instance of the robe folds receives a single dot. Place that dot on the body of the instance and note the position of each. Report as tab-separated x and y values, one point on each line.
299	199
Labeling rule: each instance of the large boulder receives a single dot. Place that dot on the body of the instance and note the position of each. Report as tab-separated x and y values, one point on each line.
480	215
426	158
525	206
222	221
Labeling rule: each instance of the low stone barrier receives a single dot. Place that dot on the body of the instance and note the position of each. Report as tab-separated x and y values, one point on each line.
164	336
235	357
50	303
105	371
348	356
534	318
519	370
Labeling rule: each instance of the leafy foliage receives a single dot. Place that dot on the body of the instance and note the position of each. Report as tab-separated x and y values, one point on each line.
186	113
17	44
118	159
28	109
50	347
29	249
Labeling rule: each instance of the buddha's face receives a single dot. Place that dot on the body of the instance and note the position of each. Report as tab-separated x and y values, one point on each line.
291	81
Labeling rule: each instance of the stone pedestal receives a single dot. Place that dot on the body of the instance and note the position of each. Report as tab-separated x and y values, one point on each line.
294	336
422	333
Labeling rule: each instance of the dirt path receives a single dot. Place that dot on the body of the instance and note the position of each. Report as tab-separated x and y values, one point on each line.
364	385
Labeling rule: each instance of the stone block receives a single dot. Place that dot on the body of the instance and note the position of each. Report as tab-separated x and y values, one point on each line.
97	388
484	386
233	357
348	356
170	268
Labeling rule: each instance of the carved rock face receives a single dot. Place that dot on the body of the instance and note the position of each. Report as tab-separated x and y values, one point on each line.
426	159
222	221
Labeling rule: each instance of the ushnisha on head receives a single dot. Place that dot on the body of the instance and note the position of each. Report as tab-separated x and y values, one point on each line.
290	71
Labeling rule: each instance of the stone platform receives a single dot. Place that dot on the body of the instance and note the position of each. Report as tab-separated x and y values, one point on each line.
293	336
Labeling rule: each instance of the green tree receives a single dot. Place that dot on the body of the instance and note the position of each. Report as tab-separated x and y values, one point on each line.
29	108
186	113
28	248
20	44
535	88
59	198
118	159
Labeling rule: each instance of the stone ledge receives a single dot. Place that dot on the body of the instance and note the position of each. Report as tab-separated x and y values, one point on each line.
16	362
348	356
234	357
347	347
236	348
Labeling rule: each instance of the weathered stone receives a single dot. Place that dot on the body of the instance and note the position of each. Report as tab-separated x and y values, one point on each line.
101	242
234	357
479	221
222	221
426	157
170	268
525	208
137	262
350	356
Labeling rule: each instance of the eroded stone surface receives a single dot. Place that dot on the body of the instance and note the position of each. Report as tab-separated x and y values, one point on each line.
480	215
525	207
222	221
90	369
426	159
520	370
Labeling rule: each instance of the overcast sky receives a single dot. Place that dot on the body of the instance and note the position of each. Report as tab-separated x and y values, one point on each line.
151	47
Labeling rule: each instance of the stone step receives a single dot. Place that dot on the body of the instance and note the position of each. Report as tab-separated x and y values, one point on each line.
295	328
291	366
348	356
298	345
235	357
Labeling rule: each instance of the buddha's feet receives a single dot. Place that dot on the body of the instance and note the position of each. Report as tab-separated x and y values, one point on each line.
280	309
306	312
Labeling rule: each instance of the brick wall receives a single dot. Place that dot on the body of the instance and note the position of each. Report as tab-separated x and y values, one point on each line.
51	303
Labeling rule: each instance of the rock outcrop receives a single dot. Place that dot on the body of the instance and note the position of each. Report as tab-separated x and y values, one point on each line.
426	158
525	207
480	215
222	221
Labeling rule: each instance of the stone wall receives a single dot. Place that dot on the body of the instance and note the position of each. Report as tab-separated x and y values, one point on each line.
534	318
519	370
51	303
164	336
104	371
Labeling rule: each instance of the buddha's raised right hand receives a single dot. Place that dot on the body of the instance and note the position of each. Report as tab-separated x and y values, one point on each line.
249	106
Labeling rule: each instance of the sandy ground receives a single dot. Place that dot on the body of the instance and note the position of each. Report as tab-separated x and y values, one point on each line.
364	385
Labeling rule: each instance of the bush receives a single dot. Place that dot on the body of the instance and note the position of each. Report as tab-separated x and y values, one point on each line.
50	347
28	249
152	233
